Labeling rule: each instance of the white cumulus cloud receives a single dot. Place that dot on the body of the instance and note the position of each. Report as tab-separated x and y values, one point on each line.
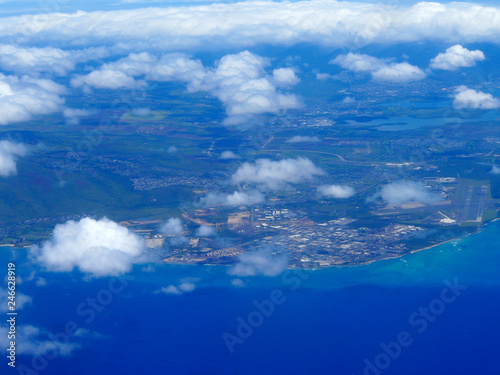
9	152
235	199
141	112
41	282
205	231
401	192
495	169
399	72
259	262
335	191
469	98
239	80
172	227
23	98
324	76
76	112
99	247
456	57
123	72
106	79
29	60
380	69
359	63
228	155
73	115
285	77
238	283
248	23
275	174
186	286
21	300
348	100
32	340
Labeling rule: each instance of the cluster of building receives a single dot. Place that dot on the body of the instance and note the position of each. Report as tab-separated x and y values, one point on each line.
335	242
150	183
306	243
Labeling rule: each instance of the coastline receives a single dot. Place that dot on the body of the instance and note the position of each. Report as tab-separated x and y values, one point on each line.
480	228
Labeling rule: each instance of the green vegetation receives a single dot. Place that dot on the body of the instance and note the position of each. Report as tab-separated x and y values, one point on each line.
159	164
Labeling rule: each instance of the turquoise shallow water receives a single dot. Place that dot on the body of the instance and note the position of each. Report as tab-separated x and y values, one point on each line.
330	321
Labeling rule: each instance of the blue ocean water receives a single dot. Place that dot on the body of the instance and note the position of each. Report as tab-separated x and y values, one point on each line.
331	321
